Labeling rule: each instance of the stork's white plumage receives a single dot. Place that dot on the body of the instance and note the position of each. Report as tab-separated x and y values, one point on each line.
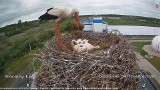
81	46
59	14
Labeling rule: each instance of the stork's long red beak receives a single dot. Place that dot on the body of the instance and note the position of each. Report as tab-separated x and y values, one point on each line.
58	35
77	19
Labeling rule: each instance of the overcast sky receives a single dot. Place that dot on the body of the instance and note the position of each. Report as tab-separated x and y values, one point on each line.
13	10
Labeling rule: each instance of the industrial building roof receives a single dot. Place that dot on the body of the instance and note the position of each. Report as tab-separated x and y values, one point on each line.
95	20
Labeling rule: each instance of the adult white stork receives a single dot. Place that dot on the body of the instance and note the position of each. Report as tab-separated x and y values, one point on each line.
59	14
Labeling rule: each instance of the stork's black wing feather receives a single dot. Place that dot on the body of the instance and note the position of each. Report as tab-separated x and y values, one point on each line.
46	16
49	9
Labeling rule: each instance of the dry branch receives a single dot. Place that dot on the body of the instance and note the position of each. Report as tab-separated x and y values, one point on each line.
106	67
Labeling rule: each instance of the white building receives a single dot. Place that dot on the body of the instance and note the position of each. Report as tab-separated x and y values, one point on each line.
95	25
156	44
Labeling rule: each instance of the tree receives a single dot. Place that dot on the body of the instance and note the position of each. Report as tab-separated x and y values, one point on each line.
19	21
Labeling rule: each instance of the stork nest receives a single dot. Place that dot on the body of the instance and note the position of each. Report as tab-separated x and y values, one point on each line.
113	66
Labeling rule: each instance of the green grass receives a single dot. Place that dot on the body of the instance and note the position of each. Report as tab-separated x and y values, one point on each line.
6	82
16	67
37	65
139	45
130	22
155	61
18	62
20	66
2	50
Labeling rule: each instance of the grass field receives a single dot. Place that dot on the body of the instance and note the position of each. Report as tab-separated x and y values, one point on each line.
22	64
155	61
16	67
130	22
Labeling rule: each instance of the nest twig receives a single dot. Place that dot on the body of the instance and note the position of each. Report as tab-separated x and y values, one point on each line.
105	68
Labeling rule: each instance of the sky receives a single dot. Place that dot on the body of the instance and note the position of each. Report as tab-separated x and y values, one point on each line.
26	10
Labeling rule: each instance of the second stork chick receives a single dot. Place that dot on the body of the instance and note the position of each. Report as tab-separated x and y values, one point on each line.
81	46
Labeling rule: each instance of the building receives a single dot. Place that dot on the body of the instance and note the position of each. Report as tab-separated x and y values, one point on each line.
156	44
95	25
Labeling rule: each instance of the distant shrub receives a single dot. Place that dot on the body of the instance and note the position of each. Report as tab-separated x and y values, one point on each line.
45	35
67	27
13	29
18	49
8	43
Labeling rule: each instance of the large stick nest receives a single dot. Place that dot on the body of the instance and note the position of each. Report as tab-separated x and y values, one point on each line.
111	66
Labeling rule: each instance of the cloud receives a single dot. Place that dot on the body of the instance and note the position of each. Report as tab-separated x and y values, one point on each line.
14	10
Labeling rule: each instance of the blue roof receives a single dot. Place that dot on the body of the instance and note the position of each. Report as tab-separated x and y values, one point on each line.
97	21
90	22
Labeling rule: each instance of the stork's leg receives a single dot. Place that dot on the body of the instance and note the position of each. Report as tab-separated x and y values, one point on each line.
58	35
